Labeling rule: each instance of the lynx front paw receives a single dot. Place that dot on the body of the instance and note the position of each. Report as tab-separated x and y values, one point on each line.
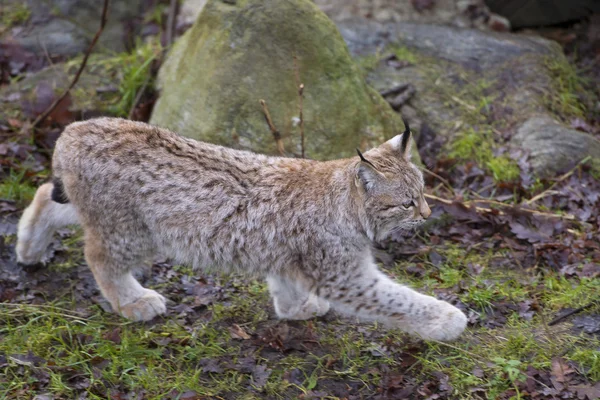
145	308
313	307
446	324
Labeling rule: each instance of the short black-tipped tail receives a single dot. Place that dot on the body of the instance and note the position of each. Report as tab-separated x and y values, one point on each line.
58	192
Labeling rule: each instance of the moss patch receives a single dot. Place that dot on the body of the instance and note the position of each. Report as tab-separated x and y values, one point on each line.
13	14
478	147
566	97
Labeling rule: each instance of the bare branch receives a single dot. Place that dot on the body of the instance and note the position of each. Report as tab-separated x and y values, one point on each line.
52	106
300	86
568	217
575	311
171	23
274	131
301	116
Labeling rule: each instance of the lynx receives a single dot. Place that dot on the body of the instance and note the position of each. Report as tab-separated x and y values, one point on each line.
307	226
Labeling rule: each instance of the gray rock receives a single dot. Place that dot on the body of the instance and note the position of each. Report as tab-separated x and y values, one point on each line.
469	79
96	90
66	27
460	13
552	146
237	53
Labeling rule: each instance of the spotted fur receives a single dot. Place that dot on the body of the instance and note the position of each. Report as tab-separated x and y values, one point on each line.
307	226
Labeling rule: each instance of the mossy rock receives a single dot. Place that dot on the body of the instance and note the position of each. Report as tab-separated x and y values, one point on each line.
96	91
66	27
239	52
488	83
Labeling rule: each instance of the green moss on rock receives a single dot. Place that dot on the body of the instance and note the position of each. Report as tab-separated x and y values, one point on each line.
237	54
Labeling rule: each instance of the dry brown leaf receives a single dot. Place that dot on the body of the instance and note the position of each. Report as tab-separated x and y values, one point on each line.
237	332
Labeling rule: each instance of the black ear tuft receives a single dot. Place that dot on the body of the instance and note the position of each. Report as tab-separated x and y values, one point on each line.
363	159
405	136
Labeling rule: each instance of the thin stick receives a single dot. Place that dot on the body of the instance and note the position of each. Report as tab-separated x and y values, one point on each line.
138	97
549	191
484	209
274	131
301	96
171	22
55	103
444	181
575	311
300	86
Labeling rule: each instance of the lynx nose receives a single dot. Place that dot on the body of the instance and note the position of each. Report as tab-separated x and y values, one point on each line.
425	211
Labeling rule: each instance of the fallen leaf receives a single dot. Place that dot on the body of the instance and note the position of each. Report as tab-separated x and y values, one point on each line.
237	332
560	370
260	374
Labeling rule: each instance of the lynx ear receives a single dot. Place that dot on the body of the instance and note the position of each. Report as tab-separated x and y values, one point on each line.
401	144
367	173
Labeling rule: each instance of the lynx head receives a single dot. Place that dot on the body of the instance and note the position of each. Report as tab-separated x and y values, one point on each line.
391	187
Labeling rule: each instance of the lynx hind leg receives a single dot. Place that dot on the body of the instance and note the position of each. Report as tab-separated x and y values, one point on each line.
116	282
39	222
292	300
371	295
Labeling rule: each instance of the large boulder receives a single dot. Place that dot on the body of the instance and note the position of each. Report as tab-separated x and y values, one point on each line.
496	84
552	146
238	53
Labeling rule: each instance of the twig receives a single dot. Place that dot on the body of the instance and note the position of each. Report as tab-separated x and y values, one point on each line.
52	106
540	196
575	311
301	96
171	23
549	191
568	217
15	309
138	97
464	104
274	131
43	46
300	86
444	181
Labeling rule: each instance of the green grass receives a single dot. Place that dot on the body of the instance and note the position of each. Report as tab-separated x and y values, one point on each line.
70	341
16	187
496	359
369	63
78	339
14	14
131	71
567	88
478	146
404	54
136	72
166	355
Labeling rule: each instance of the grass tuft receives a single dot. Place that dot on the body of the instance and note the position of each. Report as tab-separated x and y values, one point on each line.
478	147
568	88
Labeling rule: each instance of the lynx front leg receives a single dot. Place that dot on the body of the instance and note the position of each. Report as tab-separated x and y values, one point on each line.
371	295
39	222
119	287
293	300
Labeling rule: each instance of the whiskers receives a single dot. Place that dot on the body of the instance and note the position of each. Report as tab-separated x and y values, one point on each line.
405	229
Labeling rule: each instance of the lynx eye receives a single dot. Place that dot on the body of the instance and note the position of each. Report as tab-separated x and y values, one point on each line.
408	204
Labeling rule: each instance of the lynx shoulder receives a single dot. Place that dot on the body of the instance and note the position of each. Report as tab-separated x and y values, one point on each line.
306	226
